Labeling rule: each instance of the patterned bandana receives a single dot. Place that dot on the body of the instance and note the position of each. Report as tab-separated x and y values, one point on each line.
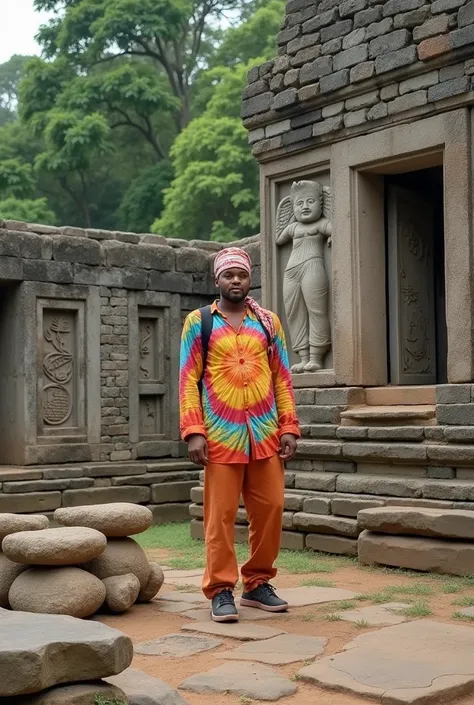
235	257
232	257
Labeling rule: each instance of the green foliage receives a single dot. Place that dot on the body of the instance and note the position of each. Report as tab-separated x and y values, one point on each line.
132	101
28	210
16	178
142	202
11	73
216	174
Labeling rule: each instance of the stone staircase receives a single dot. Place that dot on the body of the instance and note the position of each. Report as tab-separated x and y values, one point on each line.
393	406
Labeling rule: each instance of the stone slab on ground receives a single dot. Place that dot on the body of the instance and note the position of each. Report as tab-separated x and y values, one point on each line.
417	662
376	614
30	643
418	521
417	553
304	596
246	614
251	680
172	607
467	612
283	649
176	645
193	598
143	689
233	630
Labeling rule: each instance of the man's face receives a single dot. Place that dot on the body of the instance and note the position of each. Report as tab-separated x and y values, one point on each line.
234	284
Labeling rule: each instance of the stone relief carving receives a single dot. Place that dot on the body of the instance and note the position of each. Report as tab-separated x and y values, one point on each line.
303	218
417	344
146	361
58	368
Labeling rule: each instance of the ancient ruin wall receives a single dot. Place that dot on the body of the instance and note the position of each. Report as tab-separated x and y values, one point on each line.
352	65
91	321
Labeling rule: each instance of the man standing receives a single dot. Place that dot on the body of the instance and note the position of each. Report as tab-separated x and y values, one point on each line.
237	414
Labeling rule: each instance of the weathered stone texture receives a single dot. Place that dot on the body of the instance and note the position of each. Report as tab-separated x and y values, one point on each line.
343	45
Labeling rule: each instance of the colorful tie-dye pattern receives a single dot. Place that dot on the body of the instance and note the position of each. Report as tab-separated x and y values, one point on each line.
247	399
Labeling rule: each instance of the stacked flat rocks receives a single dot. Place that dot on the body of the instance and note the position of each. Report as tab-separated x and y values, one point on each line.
122	566
31	673
77	568
425	539
9	570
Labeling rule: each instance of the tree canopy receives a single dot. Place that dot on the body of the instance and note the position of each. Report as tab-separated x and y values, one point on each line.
130	120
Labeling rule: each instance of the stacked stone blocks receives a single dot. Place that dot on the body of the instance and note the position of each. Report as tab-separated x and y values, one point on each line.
344	65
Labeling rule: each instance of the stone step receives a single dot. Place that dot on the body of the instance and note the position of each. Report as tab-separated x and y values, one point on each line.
391	396
412	521
417	553
319	524
403	415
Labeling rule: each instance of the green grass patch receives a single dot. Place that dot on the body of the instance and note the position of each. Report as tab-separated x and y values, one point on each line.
361	624
420	608
187	553
333	617
317	582
309	617
464	601
392	592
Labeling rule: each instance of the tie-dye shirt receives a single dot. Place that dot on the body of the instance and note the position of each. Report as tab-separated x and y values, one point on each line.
247	398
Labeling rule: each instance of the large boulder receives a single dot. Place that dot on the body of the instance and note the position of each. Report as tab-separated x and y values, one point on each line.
117	519
9	572
75	694
121	556
11	523
39	651
121	591
54	546
153	586
65	590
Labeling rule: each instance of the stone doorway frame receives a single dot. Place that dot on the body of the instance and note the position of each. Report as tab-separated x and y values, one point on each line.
357	167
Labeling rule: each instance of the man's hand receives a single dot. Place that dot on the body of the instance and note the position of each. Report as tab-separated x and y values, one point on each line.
288	446
197	449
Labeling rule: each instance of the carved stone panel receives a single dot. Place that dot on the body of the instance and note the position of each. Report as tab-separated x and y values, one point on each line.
150	338
151	420
411	289
59	368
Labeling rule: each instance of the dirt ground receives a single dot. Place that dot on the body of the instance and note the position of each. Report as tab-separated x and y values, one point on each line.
144	622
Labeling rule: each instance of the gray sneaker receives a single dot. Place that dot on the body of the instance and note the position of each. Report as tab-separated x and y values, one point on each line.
264	598
223	607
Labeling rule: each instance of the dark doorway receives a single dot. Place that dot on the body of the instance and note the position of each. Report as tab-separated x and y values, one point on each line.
416	321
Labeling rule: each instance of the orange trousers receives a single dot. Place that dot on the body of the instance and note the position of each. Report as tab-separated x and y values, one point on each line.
261	483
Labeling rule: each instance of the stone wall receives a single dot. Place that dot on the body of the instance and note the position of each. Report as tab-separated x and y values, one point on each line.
347	66
89	327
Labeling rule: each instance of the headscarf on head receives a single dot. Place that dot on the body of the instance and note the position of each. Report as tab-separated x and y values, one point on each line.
234	257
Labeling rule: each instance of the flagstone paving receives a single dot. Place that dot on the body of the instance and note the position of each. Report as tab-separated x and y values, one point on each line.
419	662
251	680
143	689
283	649
176	645
376	614
245	613
173	607
178	596
236	630
304	596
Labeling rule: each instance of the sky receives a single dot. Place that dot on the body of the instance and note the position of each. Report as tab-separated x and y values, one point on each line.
18	25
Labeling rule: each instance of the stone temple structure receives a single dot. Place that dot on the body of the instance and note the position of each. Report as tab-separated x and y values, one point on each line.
363	128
